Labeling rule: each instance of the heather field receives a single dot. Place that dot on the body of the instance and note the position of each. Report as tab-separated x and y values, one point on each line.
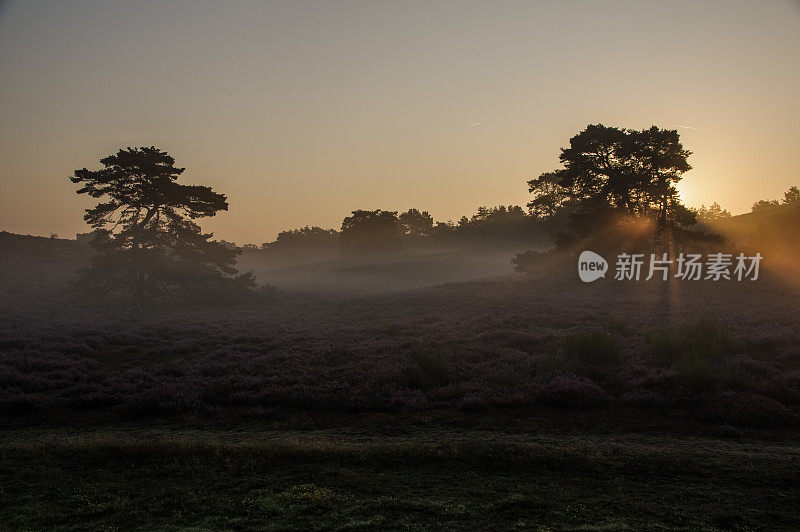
714	350
506	401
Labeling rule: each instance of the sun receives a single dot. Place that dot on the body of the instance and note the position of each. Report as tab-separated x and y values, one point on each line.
687	191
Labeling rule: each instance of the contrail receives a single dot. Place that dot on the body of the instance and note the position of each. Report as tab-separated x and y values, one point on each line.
475	124
684	127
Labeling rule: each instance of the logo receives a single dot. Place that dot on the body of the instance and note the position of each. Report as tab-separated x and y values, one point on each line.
685	267
591	266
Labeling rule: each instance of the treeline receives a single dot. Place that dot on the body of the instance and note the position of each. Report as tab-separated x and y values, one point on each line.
715	212
545	215
790	198
608	174
380	230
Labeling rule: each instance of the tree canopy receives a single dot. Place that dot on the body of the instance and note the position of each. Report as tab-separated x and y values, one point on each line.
305	236
764	205
712	213
792	196
371	231
415	223
630	171
145	230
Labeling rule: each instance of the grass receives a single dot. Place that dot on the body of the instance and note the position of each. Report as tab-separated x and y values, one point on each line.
317	480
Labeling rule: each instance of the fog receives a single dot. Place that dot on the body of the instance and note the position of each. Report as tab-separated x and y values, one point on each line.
330	271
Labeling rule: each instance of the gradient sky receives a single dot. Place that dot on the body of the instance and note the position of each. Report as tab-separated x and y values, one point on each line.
303	111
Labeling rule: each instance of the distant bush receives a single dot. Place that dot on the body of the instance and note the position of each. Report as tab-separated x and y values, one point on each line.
529	261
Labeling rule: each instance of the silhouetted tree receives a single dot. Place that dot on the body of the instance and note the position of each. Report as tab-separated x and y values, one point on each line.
500	215
371	231
414	223
764	205
86	238
488	224
712	213
229	245
548	194
623	170
305	237
149	244
792	196
443	229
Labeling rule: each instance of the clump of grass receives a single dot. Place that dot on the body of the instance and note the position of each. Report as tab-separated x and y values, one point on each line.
696	372
426	368
594	354
590	348
704	338
697	353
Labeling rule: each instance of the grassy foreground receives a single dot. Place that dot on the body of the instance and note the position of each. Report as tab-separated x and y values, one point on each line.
395	476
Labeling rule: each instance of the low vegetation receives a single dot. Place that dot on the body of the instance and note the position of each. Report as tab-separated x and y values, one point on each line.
476	345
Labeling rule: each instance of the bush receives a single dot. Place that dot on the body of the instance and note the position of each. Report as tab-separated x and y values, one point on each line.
572	391
696	372
751	410
529	261
426	368
590	348
704	338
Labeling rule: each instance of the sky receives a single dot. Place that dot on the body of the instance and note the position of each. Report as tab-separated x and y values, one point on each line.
302	111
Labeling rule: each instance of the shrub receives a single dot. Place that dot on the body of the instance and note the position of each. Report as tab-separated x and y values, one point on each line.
591	348
572	391
15	402
641	398
426	368
696	372
529	261
742	373
751	410
705	338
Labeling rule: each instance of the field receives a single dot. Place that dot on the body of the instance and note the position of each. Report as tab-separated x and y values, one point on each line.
431	389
